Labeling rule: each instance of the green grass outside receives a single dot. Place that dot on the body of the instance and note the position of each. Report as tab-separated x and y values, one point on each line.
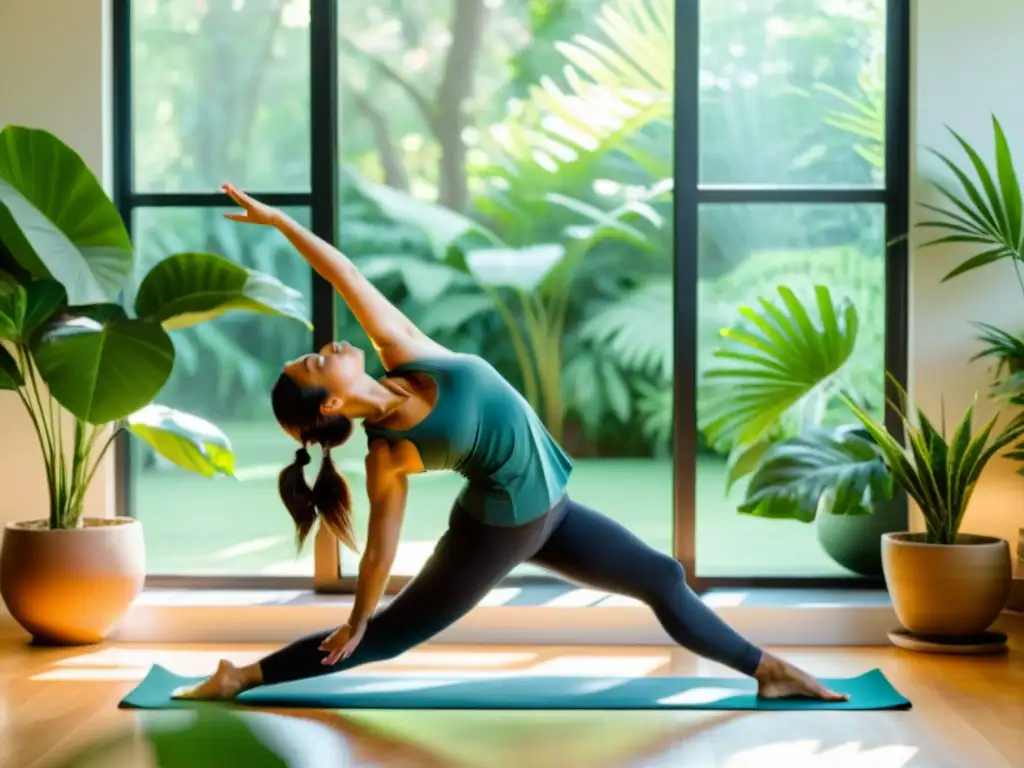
199	526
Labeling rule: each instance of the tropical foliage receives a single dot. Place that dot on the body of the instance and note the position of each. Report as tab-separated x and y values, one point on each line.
770	401
986	215
83	367
532	221
937	472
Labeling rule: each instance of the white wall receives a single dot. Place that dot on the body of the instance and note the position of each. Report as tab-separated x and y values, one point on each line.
61	45
967	59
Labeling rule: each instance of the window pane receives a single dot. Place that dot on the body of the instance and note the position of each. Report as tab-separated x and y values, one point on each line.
792	92
221	93
747	252
543	158
223	372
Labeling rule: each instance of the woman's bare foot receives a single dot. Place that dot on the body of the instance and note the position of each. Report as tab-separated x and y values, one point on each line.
223	685
777	679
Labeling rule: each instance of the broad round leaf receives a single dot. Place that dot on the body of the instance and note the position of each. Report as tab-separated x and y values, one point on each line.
23	308
838	470
190	288
57	221
10	373
100	365
523	268
186	440
44	299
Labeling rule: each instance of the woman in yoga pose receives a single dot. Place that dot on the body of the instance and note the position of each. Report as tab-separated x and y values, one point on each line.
435	409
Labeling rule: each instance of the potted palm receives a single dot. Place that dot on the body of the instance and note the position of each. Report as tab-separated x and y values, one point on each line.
770	400
85	370
946	586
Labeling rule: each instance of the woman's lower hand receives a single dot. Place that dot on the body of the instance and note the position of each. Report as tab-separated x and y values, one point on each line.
253	211
342	642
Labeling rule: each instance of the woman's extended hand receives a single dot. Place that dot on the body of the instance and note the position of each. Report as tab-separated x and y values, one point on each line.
342	642
254	212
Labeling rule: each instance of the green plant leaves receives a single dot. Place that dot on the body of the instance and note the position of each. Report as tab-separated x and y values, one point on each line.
189	442
23	308
521	268
988	213
100	365
57	221
12	307
10	373
444	228
939	475
835	470
190	288
774	360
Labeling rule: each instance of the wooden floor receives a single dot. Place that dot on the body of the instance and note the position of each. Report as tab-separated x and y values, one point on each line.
967	712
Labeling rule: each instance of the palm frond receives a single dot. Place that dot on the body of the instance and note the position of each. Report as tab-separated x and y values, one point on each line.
773	361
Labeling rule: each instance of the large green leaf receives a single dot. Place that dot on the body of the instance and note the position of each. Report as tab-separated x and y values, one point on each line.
190	288
425	280
521	268
840	471
10	373
186	440
100	365
57	221
443	227
12	307
23	308
772	361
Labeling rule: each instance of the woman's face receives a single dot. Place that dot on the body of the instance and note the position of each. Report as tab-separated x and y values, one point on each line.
338	368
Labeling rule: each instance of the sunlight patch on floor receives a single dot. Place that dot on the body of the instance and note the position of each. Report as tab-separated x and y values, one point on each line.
134	663
807	754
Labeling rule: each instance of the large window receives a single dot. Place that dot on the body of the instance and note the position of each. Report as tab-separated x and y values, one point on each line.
583	193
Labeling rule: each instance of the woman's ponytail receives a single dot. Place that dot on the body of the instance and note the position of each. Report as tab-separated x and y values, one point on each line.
329	498
334	502
297	410
297	496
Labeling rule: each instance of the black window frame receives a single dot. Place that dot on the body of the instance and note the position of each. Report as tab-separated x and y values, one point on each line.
321	200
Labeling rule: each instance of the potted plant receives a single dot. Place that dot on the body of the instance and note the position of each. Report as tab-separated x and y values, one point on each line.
943	583
771	401
86	369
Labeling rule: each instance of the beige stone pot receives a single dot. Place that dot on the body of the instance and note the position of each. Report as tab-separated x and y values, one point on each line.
951	590
71	587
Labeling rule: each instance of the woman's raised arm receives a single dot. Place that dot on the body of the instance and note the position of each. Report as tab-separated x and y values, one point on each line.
395	337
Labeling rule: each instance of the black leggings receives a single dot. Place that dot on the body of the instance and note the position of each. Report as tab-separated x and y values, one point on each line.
472	558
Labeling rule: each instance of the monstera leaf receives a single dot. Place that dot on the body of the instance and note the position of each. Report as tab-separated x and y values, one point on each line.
186	440
55	219
190	288
840	471
100	364
780	355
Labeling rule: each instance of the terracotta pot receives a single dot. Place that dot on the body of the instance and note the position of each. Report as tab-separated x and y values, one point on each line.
946	590
71	587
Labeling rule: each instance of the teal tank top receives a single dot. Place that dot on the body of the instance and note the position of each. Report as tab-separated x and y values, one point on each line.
482	428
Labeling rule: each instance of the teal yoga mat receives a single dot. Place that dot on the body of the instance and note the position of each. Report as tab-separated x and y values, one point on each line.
870	691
